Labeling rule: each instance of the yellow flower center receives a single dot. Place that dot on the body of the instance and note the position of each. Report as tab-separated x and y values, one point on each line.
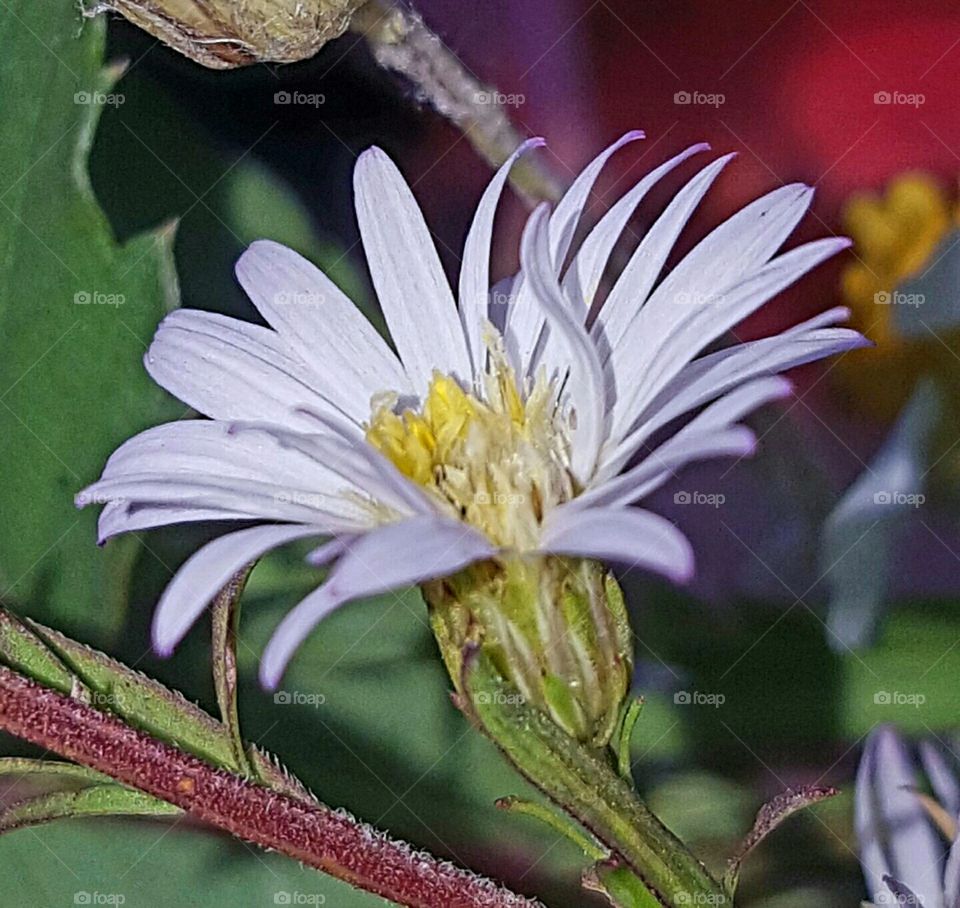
496	458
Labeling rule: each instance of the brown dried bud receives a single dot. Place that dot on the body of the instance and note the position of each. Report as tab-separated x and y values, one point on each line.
225	34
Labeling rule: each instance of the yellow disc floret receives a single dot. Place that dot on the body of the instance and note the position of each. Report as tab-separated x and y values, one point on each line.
496	456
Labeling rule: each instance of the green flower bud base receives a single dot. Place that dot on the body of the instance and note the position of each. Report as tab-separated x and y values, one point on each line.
555	628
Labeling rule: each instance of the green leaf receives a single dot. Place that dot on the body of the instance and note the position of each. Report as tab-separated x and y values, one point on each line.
226	615
770	816
80	792
95	801
76	310
619	885
48	656
158	866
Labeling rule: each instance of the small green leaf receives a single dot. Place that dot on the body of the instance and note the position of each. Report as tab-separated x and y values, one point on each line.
558	823
226	615
770	816
95	801
619	885
80	792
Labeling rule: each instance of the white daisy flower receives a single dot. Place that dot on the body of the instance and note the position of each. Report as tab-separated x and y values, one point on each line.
514	423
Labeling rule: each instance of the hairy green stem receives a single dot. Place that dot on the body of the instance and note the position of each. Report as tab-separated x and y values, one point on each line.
582	781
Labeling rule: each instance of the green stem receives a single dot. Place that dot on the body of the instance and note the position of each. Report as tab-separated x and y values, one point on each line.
582	782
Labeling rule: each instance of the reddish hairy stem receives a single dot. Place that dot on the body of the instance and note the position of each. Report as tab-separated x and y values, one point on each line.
324	838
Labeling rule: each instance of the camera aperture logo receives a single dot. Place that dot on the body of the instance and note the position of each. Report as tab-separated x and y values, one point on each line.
699	698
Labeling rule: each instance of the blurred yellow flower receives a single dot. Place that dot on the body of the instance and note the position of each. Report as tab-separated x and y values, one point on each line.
895	237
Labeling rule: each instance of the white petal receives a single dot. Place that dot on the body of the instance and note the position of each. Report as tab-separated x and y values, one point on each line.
563	223
322	325
629	536
635	282
213	448
407	274
121	516
719	415
730	253
525	319
714	374
206	572
475	270
663	464
585	375
229	369
583	277
264	500
642	372
393	556
356	463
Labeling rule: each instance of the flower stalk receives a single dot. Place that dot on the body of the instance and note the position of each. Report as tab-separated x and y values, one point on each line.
582	781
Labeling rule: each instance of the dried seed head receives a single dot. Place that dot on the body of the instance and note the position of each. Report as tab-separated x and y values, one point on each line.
224	34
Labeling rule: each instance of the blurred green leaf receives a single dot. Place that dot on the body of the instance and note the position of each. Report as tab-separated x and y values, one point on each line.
76	310
153	865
